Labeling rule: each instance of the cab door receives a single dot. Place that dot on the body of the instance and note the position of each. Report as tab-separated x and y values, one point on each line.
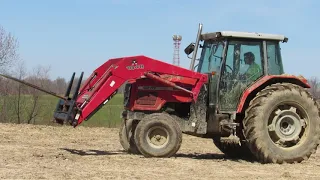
235	72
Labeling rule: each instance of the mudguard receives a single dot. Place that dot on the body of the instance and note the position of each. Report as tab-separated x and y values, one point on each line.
249	93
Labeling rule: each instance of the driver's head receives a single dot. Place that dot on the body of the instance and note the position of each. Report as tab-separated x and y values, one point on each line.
248	57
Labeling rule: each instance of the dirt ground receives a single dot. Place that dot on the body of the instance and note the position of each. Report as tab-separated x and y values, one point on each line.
38	152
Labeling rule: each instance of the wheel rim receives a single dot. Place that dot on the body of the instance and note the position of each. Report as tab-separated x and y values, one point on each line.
287	125
157	137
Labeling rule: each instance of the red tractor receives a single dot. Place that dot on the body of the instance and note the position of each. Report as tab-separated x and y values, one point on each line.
237	95
241	98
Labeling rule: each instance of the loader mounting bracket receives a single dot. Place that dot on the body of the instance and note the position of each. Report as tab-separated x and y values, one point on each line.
67	110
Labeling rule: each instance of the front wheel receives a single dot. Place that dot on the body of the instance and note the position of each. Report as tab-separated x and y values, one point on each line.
126	133
158	135
232	147
282	124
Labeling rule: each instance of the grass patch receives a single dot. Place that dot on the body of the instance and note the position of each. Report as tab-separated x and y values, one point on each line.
107	116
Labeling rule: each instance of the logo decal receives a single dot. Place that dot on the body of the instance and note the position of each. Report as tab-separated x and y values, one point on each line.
141	66
135	66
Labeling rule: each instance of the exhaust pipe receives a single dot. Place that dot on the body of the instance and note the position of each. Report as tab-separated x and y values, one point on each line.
194	55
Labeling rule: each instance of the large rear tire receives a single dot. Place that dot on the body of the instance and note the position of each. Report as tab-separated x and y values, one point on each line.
126	134
282	124
158	135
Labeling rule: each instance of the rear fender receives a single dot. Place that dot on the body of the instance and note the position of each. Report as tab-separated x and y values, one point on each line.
251	91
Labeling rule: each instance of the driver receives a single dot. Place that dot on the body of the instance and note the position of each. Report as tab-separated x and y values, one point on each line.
254	71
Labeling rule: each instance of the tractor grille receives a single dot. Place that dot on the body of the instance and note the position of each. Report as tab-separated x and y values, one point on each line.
146	98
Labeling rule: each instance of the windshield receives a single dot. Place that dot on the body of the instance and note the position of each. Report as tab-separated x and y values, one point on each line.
211	57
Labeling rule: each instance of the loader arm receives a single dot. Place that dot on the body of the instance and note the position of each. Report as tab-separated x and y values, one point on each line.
104	82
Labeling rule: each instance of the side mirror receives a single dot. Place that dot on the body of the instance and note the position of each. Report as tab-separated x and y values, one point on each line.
189	49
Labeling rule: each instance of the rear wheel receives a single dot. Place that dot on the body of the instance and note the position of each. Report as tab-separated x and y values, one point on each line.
126	133
158	135
282	124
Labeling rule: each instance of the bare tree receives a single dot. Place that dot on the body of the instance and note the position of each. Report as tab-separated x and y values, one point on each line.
315	87
5	102
61	85
8	49
8	55
19	98
39	77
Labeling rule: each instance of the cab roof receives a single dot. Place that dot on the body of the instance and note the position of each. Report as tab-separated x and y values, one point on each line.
248	35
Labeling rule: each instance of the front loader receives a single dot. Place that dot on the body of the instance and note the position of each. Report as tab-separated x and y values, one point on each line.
237	95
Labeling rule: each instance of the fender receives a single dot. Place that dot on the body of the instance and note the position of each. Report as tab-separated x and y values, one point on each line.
252	90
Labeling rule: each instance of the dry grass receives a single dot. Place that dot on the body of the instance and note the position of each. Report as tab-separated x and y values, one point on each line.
37	152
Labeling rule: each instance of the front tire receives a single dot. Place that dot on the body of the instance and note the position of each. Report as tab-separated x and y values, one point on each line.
232	147
126	133
158	135
282	124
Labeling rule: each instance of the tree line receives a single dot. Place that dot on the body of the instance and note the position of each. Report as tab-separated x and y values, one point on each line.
23	104
20	103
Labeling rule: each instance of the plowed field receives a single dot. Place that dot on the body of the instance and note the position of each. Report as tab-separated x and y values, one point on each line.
38	152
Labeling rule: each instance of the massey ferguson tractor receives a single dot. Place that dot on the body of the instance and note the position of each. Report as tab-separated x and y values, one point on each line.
235	93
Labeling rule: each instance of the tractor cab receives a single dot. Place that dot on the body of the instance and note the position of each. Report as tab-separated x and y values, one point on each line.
234	61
